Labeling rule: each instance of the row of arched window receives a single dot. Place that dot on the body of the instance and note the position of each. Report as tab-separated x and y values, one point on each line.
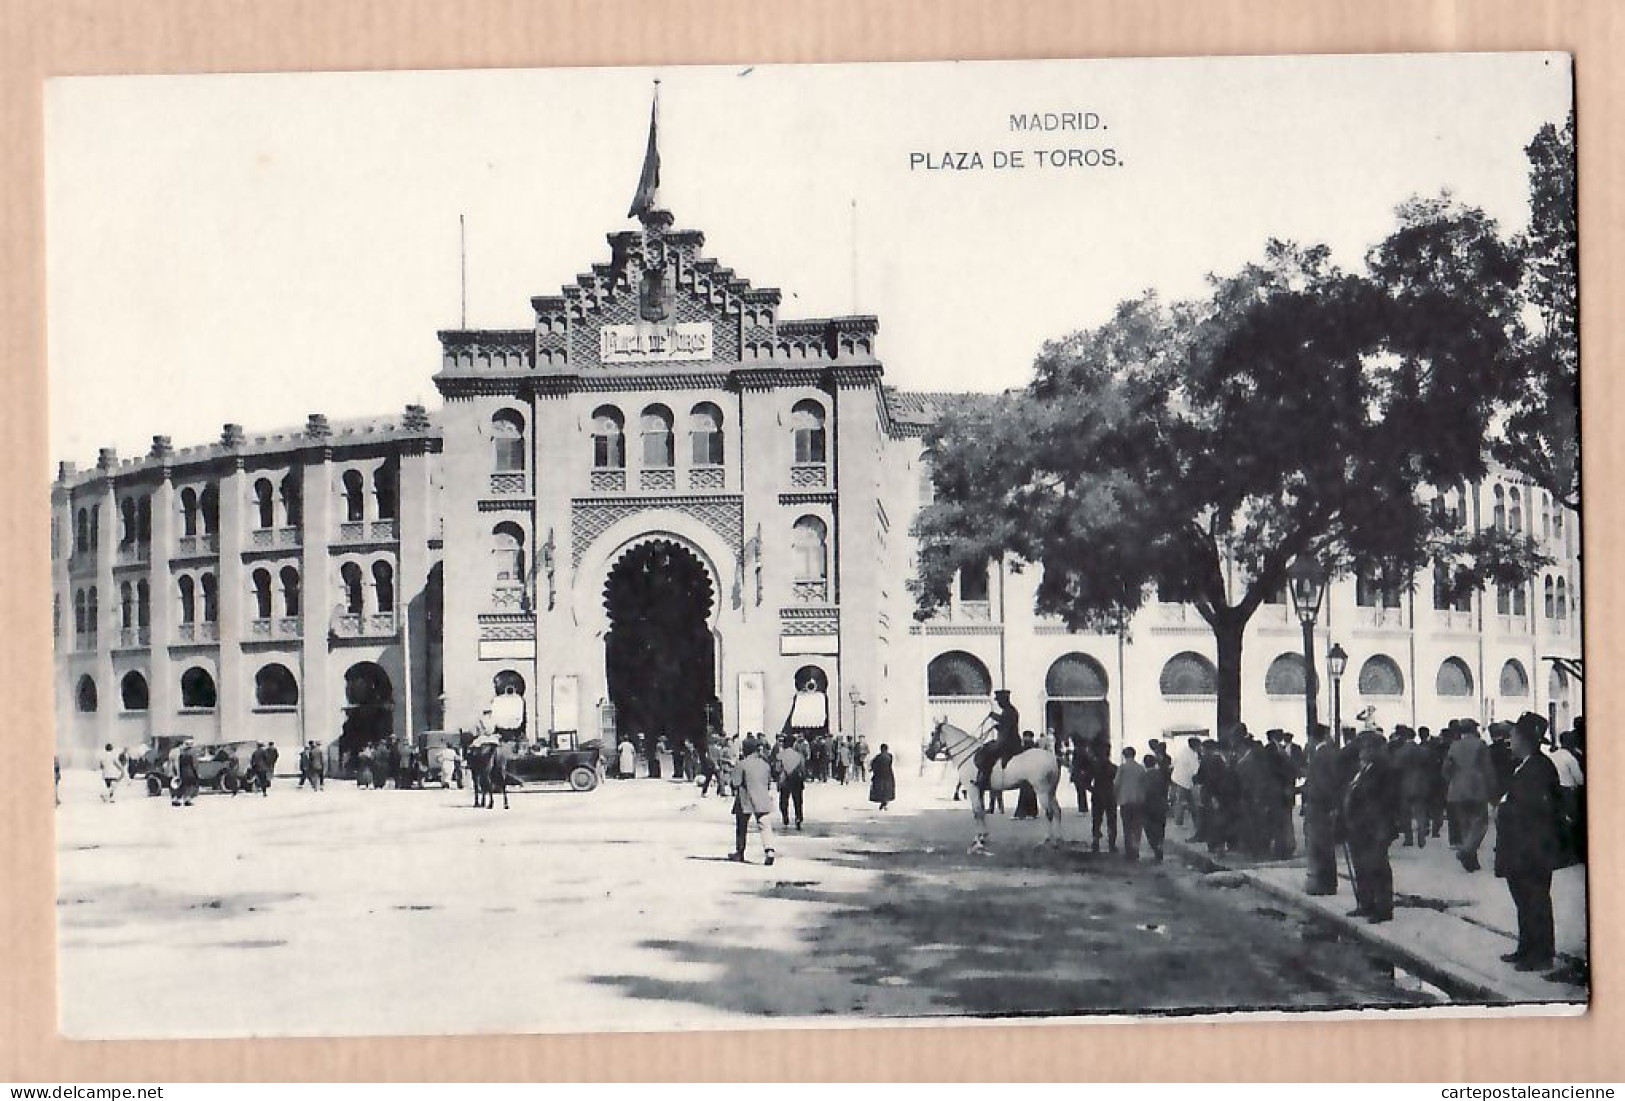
274	686
1189	674
1556	592
286	495
355	584
657	444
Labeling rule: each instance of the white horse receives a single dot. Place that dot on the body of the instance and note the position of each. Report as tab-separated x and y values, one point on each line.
1037	767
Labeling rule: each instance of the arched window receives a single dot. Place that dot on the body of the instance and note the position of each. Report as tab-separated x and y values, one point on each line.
208	507
127	515
143	604
1499	512
1515	509
132	690
809	549
1545	514
355	497
957	673
1380	676
262	593
1520	599
1514	680
211	599
1503	600
1075	677
507	441
274	686
126	605
188	590
290	591
85	694
1454	678
264	504
1562	598
383	584
143	520
608	438
1285	676
92	613
658	452
81	532
1549	591
293	499
1189	674
95	526
973	584
350	577
79	608
197	689
508	552
807	429
385	489
189	513
705	435
506	683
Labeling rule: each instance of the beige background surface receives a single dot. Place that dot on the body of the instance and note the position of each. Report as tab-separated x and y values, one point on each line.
41	38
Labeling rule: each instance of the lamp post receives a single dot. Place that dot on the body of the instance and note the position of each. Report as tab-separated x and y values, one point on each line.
858	701
1336	661
1306	581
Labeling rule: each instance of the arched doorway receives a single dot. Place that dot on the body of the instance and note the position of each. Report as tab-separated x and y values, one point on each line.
369	712
659	656
1075	704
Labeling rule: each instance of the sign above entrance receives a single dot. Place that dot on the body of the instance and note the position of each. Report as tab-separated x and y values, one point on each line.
660	343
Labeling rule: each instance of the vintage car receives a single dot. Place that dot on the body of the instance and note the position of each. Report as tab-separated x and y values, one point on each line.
557	760
220	767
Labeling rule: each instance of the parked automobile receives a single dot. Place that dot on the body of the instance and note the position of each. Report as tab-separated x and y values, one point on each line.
557	760
220	767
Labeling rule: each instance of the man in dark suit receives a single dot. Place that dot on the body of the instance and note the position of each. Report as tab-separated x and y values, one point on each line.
1369	814
1103	796
1526	844
1322	801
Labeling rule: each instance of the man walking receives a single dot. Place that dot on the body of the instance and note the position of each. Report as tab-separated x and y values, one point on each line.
186	780
1182	779
1468	781
1322	799
259	770
1411	760
271	755
1526	844
1156	802
112	764
753	804
1103	795
792	777
1130	794
1368	810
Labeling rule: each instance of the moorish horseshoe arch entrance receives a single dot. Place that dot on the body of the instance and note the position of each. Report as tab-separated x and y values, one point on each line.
660	600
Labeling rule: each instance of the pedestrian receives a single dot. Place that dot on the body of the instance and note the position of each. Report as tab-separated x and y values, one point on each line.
1256	781
450	766
363	767
1322	803
860	757
112	765
318	768
654	753
708	767
1412	762
271	755
1469	779
792	779
1434	749
1526	844
1502	761
1103	796
1572	781
843	760
186	779
1156	802
882	781
1027	801
259	770
1129	791
393	756
753	804
1182	779
626	759
1370	814
679	759
1282	839
1214	779
1082	778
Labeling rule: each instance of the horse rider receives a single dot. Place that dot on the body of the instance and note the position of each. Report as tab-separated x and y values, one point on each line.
1007	725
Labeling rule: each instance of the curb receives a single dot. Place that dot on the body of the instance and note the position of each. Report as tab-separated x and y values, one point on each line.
1440	972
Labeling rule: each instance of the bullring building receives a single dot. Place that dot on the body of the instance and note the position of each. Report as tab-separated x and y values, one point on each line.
662	502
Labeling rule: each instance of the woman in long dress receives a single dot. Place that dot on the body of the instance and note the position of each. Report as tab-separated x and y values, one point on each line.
882	781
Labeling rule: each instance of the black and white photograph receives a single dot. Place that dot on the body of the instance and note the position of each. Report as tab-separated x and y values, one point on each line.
737	547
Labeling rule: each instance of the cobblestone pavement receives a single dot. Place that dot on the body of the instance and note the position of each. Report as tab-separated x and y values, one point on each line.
358	912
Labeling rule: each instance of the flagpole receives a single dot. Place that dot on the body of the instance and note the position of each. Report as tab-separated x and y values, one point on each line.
462	260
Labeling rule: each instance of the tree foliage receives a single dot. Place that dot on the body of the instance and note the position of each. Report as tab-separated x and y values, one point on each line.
1194	449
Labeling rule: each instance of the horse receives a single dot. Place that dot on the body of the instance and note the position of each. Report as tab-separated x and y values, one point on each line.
490	775
1037	767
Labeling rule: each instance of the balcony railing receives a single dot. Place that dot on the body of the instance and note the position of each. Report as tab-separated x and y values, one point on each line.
811	592
130	638
1454	619
1378	619
368	625
86	641
609	481
706	477
383	531
290	626
130	554
200	544
977	611
809	476
208	632
657	481
269	538
508	596
508	484
259	628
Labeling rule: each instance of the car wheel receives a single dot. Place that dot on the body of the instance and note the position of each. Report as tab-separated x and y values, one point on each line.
583	778
227	782
155	786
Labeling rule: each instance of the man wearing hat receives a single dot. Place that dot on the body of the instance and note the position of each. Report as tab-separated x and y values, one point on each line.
1322	802
1007	724
1412	762
1369	817
1469	778
753	804
1526	844
1502	759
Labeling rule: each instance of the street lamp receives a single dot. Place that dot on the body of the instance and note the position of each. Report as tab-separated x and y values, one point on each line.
1337	660
1307	582
858	701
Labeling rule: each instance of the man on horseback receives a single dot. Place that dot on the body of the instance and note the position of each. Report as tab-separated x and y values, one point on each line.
1007	725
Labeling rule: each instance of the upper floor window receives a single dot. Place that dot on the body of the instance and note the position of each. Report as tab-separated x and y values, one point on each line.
383	585
189	511
262	593
127	532
126	605
208	506
386	489
81	532
143	520
1515	509
507	441
1499	512
809	549
1550	593
1374	590
1447	596
143	603
1562	598
293	499
705	435
211	599
658	452
1511	600
188	591
508	552
290	590
264	504
807	428
355	500
973	584
350	578
608	438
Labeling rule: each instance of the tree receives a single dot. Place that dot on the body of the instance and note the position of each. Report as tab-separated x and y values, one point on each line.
1541	435
1197	449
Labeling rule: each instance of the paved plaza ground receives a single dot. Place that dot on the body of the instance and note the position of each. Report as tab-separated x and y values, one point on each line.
360	912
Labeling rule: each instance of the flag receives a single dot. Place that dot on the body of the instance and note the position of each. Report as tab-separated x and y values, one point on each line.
647	197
